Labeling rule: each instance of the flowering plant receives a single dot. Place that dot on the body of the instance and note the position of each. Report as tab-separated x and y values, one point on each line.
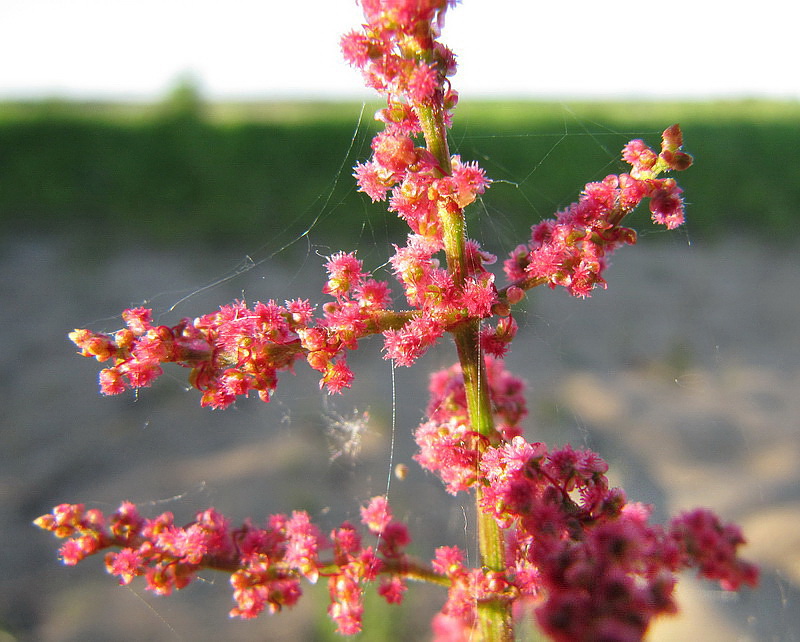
553	535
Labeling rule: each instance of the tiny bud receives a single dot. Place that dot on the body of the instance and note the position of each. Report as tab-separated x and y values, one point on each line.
164	333
681	161
672	137
45	522
101	348
401	471
515	294
124	338
318	359
495	582
501	309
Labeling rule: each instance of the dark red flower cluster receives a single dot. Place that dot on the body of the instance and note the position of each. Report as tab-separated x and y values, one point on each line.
589	562
595	566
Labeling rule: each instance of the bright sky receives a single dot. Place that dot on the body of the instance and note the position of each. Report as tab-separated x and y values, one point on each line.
135	49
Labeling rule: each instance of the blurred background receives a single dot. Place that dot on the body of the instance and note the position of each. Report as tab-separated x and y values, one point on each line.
182	155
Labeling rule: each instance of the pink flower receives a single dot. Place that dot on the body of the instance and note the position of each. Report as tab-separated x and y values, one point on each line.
495	340
125	564
479	296
301	312
74	550
469	181
412	201
394	539
409	343
111	381
393	589
632	191
302	546
666	204
374	296
448	560
139	320
337	376
344	273
394	151
373	180
356	48
451	450
346	540
376	515
422	83
639	156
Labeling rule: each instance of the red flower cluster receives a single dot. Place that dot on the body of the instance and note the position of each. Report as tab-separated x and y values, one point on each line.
397	51
266	564
589	563
468	587
571	249
448	446
442	303
601	571
238	349
399	56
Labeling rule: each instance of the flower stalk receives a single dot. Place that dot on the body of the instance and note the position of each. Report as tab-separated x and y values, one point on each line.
553	535
494	616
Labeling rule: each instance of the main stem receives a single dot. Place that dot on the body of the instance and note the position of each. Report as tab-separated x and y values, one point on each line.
495	615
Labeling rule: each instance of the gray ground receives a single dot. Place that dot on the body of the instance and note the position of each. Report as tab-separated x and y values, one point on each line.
685	375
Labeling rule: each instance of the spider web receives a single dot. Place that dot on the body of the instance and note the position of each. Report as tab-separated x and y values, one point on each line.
686	407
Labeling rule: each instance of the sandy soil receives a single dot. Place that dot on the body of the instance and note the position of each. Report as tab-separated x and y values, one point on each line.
684	375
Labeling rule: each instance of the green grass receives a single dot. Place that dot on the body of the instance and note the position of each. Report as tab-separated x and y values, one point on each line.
183	171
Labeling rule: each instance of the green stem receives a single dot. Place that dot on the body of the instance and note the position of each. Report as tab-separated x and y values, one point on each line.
431	119
476	385
495	622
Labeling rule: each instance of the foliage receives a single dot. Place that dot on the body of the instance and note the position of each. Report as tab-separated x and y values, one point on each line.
133	170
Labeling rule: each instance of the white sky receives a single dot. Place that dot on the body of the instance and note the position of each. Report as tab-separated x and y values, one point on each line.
135	49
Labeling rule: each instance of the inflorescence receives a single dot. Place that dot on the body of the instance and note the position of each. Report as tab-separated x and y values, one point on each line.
587	561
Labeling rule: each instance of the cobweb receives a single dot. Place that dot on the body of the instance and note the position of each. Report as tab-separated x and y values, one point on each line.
680	375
